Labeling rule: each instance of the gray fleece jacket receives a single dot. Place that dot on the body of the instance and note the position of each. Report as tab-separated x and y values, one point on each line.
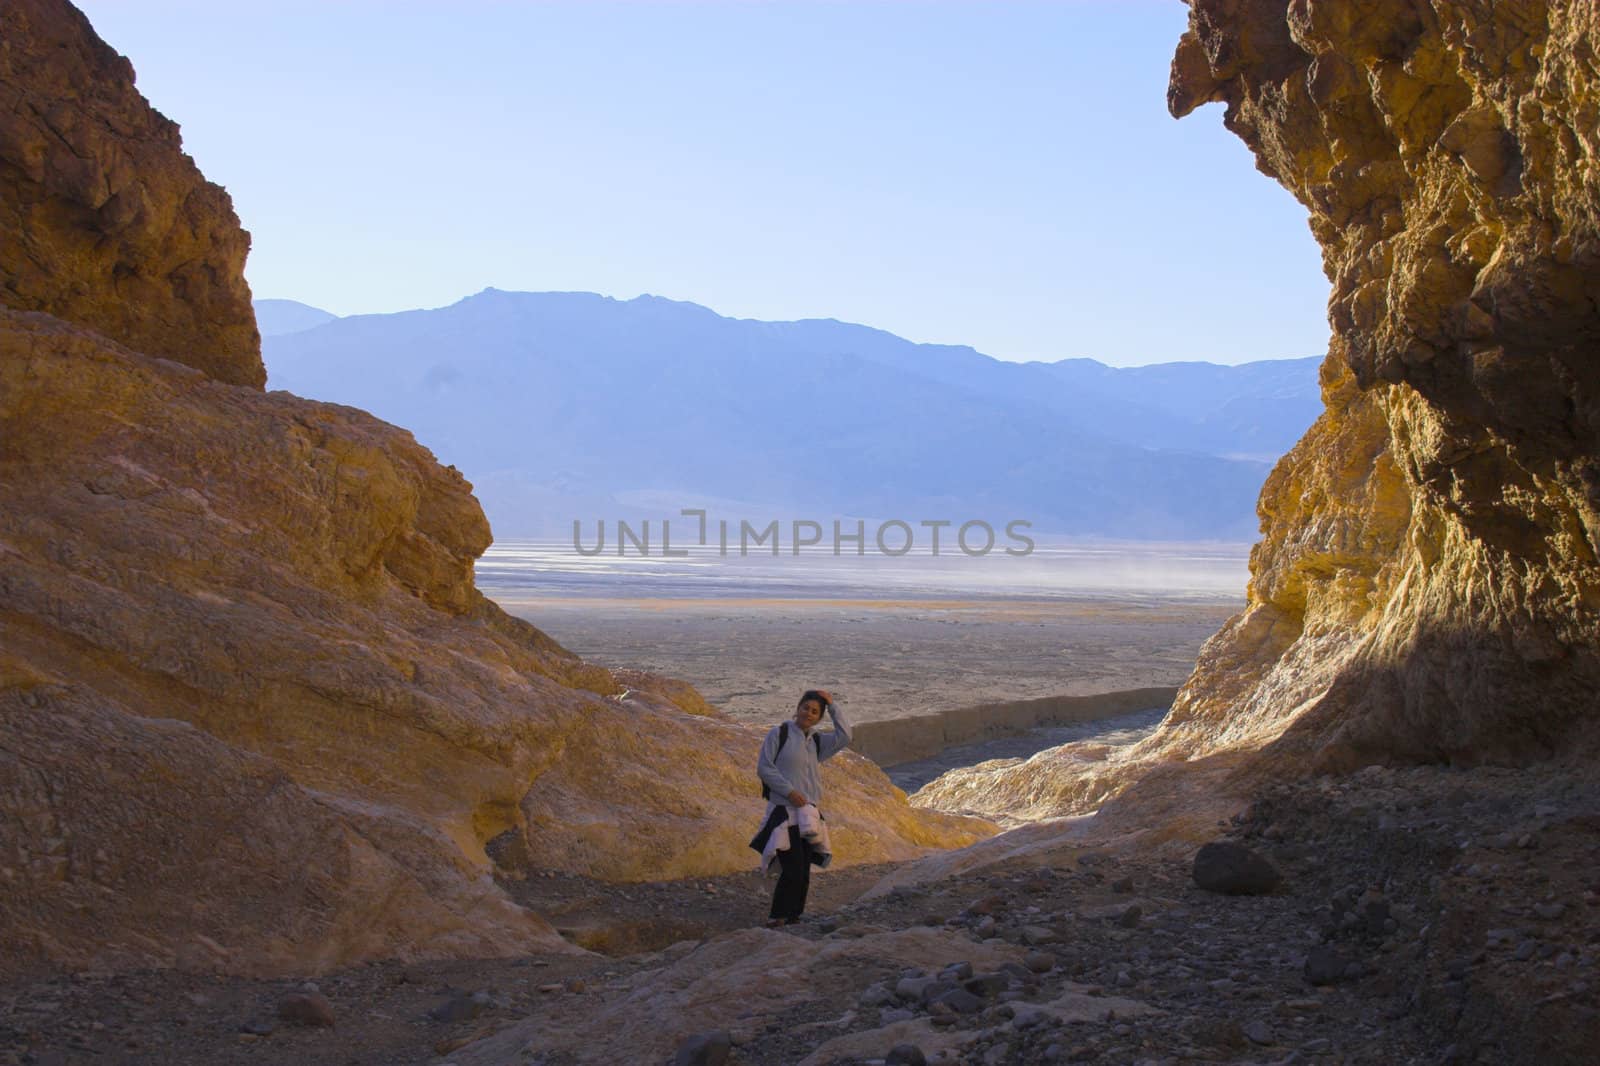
795	767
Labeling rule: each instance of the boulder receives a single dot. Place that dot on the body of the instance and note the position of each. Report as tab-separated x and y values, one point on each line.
1234	870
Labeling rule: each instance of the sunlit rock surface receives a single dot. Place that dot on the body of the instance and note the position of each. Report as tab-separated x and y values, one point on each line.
105	221
1426	585
254	715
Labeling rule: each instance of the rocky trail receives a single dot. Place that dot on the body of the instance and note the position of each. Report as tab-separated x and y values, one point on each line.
1423	916
258	718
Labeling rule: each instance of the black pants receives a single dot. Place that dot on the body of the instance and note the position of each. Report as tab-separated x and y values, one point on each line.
794	877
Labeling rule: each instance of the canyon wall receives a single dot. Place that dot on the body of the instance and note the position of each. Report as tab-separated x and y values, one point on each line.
1426	586
106	221
254	714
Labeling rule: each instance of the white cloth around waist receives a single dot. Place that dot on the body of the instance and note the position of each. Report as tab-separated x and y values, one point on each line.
778	840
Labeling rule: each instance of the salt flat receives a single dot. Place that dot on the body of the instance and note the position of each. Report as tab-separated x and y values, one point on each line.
890	638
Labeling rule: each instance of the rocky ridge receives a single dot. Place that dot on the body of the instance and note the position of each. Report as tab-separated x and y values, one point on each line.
243	663
107	222
1426	588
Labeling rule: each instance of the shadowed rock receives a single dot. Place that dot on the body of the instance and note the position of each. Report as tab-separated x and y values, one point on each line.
1234	870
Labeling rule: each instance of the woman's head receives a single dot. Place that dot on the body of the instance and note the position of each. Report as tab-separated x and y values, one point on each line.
808	712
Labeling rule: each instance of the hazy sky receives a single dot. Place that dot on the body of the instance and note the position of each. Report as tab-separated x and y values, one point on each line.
1000	174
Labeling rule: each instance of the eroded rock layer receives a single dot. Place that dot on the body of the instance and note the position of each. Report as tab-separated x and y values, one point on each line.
104	220
254	714
1426	587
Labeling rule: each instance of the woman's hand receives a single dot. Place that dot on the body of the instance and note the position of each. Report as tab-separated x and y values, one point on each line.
797	798
825	694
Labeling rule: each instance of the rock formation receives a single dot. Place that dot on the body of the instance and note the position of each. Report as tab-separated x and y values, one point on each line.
106	222
1426	588
256	715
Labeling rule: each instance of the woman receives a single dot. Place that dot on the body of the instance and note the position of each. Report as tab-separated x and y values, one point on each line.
793	835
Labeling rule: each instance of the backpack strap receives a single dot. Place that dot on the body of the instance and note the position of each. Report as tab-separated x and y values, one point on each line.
783	738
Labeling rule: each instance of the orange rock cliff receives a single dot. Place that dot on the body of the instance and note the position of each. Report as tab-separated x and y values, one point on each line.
1426	587
107	223
254	714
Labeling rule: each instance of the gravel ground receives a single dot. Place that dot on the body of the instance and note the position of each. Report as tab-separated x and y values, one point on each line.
1425	916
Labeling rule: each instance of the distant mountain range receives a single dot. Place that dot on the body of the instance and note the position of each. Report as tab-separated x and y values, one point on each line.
572	405
275	317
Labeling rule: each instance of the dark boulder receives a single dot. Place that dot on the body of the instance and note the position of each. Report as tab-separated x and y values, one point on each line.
1234	870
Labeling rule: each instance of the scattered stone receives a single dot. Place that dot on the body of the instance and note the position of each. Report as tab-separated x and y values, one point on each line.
899	1014
704	1049
987	984
988	905
1129	918
1029	1017
1373	911
905	1055
860	929
457	1009
1216	1032
962	1001
914	988
1325	965
1234	870
1037	934
306	1008
1259	1032
876	995
1039	961
1122	885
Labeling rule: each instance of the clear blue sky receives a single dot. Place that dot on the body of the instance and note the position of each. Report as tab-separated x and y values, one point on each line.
999	174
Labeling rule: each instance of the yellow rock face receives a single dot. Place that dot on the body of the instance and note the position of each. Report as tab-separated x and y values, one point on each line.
258	717
104	220
254	715
1426	587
